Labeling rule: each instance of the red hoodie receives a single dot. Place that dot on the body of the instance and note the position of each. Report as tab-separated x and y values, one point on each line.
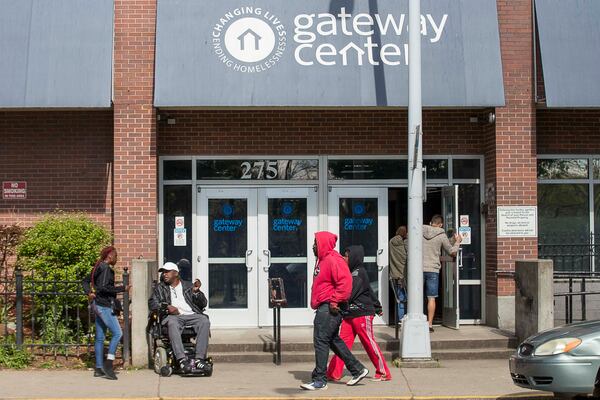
332	282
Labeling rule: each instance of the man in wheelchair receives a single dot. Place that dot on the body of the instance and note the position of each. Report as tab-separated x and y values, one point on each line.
177	307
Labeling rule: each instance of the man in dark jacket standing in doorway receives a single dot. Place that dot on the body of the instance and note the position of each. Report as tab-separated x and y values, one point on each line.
397	249
332	285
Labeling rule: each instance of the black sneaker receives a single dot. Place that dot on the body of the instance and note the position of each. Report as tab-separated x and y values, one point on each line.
98	373
185	366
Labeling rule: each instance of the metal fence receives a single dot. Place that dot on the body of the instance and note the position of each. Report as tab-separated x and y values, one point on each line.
576	296
51	317
571	253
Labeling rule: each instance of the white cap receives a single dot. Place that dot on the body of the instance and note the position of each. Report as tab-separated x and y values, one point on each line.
169	266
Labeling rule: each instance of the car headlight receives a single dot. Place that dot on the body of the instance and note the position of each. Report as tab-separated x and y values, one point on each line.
557	346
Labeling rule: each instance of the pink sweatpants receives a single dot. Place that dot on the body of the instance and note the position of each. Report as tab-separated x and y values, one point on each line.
363	327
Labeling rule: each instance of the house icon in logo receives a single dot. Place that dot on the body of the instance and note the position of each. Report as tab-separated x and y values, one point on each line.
249	33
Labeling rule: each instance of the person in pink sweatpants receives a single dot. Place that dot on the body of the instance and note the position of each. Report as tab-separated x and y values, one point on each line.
358	319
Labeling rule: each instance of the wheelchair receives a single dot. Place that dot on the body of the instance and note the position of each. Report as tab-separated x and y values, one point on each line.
160	350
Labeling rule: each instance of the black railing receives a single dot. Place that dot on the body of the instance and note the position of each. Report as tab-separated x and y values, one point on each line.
52	317
571	253
576	293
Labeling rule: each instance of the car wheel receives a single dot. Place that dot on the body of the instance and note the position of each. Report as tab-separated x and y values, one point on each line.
160	360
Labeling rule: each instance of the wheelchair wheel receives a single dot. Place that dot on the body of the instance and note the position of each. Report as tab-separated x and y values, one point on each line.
161	364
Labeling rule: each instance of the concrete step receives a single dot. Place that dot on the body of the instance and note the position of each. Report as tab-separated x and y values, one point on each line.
386	345
309	356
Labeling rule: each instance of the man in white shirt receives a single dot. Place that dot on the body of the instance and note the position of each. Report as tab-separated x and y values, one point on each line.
185	305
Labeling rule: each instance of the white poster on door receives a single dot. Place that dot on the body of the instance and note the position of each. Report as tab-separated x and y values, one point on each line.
180	237
465	232
464	220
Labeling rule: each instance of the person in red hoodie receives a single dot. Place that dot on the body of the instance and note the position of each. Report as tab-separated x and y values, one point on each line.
332	286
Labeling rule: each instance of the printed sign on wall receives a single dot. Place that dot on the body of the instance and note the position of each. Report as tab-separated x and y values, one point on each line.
517	221
14	190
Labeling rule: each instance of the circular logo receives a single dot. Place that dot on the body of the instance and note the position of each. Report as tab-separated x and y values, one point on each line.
227	210
249	39
359	209
287	208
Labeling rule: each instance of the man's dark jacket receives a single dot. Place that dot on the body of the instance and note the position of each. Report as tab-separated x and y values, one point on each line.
162	294
362	300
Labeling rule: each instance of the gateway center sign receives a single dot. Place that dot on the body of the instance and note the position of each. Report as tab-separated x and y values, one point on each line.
324	53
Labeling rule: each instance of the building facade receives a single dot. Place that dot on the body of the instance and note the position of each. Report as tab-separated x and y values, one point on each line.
168	122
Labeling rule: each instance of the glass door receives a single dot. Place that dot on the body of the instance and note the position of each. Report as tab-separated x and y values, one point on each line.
359	216
450	266
228	255
287	222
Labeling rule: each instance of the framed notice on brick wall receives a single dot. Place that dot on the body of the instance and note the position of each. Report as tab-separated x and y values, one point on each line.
14	190
517	221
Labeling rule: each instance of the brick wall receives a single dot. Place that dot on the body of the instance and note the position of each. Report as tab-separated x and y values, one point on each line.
316	132
135	163
568	131
64	156
514	147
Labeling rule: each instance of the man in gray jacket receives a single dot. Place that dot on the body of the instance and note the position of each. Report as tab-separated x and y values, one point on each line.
434	239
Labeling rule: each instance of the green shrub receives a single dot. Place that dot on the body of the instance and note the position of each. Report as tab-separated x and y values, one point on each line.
62	246
11	357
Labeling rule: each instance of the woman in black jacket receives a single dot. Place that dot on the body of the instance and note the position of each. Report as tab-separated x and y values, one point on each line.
106	307
358	319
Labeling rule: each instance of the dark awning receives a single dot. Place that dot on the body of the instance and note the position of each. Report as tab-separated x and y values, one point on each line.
55	53
324	53
569	37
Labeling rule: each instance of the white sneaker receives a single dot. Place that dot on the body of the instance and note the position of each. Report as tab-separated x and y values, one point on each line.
314	386
358	378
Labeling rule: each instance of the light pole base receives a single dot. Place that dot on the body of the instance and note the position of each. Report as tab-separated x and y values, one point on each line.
415	342
417	363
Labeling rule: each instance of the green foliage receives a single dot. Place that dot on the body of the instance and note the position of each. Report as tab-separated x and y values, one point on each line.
59	250
56	329
62	246
11	357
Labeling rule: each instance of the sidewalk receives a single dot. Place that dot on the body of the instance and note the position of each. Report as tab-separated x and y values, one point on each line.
475	379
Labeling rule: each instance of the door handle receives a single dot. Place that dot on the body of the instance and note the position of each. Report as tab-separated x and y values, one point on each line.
379	267
248	253
460	257
268	254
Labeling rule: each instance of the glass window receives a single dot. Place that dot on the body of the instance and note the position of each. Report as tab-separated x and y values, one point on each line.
436	169
228	286
178	226
465	168
470	301
287	227
228	227
367	169
294	282
469	204
564	225
358	224
596	169
295	170
563	168
177	169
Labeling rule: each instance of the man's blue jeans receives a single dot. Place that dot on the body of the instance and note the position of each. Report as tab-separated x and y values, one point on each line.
105	320
401	293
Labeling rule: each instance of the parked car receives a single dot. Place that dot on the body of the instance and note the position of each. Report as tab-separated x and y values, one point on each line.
564	360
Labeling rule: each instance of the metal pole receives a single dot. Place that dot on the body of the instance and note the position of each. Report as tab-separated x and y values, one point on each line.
19	307
415	341
278	344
